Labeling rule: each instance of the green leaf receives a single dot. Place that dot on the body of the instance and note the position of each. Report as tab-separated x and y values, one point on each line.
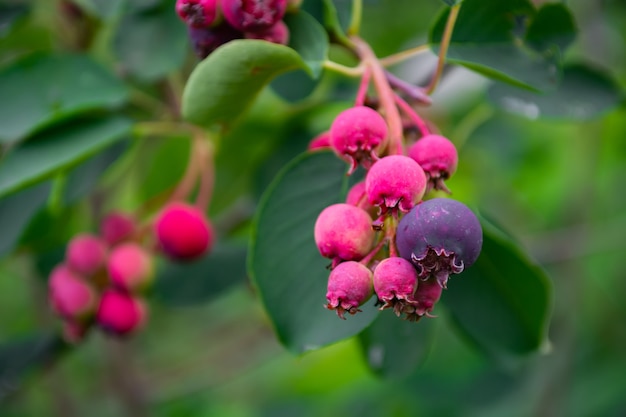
452	2
171	152
309	39
223	86
394	347
15	213
20	356
57	149
489	38
503	301
184	284
151	44
552	26
584	93
9	15
43	89
284	263
337	16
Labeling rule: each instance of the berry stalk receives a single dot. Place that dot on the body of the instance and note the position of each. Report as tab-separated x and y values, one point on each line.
415	118
443	48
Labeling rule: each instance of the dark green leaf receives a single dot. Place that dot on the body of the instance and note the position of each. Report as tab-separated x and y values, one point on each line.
43	89
9	15
452	2
394	347
151	44
503	301
102	9
171	152
294	86
553	26
335	13
15	213
224	85
20	356
287	269
583	94
57	149
309	39
489	38
203	280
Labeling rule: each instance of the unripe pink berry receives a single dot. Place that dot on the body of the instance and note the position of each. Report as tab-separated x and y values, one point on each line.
395	281
253	15
356	134
130	267
197	13
71	297
117	227
74	332
86	254
320	142
120	313
438	158
356	197
344	232
279	33
183	231
395	182
423	301
349	286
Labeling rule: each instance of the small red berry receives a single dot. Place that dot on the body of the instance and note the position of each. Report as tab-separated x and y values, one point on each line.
197	13
279	33
395	282
120	313
438	157
253	15
71	297
183	231
117	227
423	301
356	197
130	267
349	286
86	254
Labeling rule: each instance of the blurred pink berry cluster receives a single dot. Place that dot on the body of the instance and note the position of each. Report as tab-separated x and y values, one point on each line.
212	23
103	278
391	237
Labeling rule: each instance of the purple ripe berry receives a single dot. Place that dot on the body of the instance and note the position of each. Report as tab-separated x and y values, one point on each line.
395	281
349	286
438	157
343	233
279	33
356	135
197	13
395	182
253	15
206	40
441	237
423	301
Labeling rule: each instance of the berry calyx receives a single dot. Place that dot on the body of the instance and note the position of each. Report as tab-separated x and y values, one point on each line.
343	233
279	33
349	286
423	301
183	231
197	13
440	237
395	282
357	134
71	297
130	267
320	142
86	254
253	15
117	227
395	182
438	158
120	313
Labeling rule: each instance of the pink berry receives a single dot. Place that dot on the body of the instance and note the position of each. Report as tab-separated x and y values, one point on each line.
395	182
120	313
423	301
253	15
183	231
343	233
279	33
357	197
74	332
197	13
320	142
70	296
349	286
438	158
356	134
130	267
86	254
117	227
395	281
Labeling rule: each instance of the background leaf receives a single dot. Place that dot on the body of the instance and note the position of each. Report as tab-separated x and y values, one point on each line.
503	301
43	89
287	269
309	39
583	94
452	2
57	149
223	86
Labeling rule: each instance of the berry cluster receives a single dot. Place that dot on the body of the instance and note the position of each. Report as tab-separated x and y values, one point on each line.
212	23
103	277
386	238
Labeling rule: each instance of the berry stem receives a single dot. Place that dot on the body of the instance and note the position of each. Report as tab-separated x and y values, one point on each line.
385	94
362	92
207	173
193	171
443	47
367	258
403	55
355	22
415	118
413	91
343	69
